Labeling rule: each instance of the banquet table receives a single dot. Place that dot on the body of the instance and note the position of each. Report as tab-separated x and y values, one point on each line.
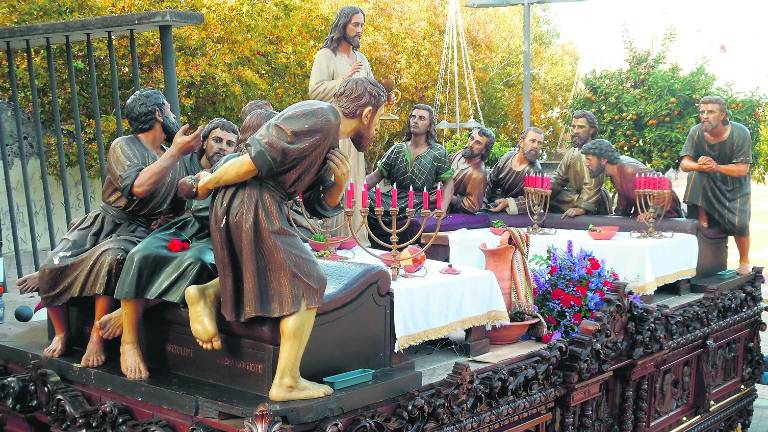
432	305
645	264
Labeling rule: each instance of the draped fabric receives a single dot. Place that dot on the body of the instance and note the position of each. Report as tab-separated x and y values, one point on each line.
725	198
264	268
89	258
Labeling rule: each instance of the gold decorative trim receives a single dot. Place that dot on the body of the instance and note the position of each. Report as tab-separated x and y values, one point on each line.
650	287
488	318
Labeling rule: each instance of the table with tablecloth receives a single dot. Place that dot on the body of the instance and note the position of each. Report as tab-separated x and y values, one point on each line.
645	264
434	305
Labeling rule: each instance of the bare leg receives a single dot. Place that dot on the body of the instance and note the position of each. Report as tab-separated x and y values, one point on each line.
742	243
94	352
288	383
60	321
201	300
703	217
131	361
28	283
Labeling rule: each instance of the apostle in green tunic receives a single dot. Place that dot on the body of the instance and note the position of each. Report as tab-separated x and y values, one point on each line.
574	191
139	190
419	162
717	155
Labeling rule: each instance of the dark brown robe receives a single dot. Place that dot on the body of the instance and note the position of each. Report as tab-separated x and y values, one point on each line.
89	258
469	183
506	182
264	268
624	182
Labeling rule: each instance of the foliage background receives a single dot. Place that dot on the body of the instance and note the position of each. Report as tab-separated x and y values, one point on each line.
263	49
647	108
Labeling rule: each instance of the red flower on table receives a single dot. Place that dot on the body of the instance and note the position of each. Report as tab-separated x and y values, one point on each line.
581	290
547	338
552	270
557	294
576	318
600	294
594	264
578	301
177	245
549	319
588	271
608	284
566	301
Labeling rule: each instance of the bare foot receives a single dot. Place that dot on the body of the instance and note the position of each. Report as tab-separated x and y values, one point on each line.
296	389
201	300
94	353
57	347
132	362
28	283
744	269
111	325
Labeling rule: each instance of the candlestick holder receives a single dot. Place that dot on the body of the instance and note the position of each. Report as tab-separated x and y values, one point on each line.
394	244
652	204
537	205
324	227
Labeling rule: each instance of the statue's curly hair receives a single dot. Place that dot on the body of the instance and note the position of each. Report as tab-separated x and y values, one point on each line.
140	109
602	149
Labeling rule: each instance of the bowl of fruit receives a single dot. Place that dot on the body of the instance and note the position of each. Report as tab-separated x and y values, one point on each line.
412	259
602	232
319	242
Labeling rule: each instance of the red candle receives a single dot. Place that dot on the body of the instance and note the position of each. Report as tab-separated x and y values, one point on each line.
364	196
547	183
350	194
527	181
425	199
439	203
378	196
410	198
300	198
656	182
641	181
637	182
394	195
539	181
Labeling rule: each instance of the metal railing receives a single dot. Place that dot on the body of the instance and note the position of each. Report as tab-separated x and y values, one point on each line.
30	41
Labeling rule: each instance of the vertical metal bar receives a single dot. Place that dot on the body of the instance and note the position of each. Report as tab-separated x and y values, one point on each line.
9	197
22	153
78	131
115	87
171	90
527	66
95	105
135	64
57	130
40	147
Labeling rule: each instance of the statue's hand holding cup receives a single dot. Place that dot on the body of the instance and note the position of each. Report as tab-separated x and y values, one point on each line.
393	96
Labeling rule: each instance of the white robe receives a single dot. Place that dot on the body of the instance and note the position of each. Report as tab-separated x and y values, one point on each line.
327	72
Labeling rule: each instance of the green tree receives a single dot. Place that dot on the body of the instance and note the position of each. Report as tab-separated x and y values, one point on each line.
647	108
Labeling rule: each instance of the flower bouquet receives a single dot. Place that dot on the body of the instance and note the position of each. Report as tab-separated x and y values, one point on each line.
570	288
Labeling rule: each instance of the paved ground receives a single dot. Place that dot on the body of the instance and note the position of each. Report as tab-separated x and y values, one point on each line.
758	254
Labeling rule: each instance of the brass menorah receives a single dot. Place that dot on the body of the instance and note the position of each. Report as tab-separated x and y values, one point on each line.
394	244
652	204
537	205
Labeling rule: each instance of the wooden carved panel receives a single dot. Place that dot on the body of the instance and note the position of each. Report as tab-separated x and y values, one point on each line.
672	390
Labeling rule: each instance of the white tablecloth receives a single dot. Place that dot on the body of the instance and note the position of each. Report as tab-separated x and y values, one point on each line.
645	264
437	304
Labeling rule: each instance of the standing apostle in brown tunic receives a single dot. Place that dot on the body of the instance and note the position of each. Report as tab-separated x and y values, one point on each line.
469	176
603	159
506	181
264	268
139	189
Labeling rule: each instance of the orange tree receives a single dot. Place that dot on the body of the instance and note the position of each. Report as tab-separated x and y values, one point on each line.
647	108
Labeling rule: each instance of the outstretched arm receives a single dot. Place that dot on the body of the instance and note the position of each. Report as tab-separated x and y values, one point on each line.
235	171
153	175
